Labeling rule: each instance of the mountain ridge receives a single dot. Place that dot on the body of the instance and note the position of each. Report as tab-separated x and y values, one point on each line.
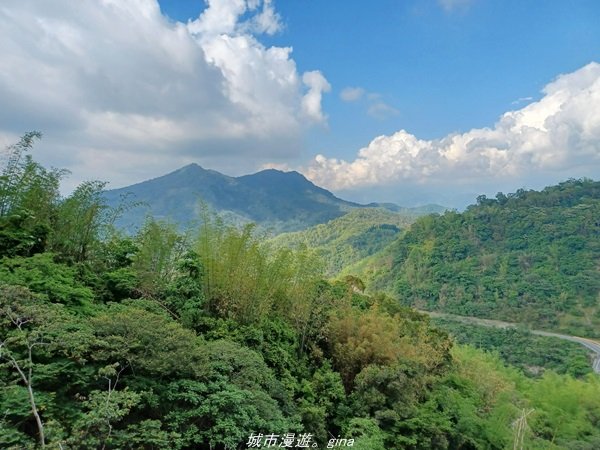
273	199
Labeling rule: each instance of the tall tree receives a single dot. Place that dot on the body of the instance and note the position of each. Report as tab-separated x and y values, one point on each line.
29	196
81	220
29	326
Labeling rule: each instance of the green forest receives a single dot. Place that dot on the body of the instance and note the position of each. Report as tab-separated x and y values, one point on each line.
529	257
520	348
347	240
204	339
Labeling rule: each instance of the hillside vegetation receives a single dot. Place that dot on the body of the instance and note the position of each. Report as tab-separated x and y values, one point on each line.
274	200
208	340
529	257
520	348
350	238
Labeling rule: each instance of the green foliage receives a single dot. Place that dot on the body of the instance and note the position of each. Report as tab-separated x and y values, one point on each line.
101	412
221	414
159	247
159	341
519	348
530	257
350	238
244	280
568	409
80	223
28	200
367	434
32	329
145	340
55	281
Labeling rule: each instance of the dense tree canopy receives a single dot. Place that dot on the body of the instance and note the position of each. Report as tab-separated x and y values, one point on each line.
529	257
199	341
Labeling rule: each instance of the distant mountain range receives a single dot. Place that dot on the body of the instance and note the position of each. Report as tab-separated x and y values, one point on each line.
275	200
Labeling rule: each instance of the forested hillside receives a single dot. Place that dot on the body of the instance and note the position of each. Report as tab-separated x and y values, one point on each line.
208	340
350	238
520	348
529	257
277	201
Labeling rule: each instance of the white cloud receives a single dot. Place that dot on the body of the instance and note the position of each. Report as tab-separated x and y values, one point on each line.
311	102
522	100
268	21
558	133
284	167
224	17
352	94
221	17
119	89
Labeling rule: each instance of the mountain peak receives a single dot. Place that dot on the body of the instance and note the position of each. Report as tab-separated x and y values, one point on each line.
276	177
273	198
191	167
279	173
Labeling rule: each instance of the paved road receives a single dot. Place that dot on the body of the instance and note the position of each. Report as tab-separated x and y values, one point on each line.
588	343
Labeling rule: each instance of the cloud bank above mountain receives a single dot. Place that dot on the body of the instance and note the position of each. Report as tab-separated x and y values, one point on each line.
118	87
124	93
557	135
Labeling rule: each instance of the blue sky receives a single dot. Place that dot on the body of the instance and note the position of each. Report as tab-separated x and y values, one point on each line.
443	69
468	96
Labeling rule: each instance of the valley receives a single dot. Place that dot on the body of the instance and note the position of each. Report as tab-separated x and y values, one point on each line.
261	224
590	344
200	334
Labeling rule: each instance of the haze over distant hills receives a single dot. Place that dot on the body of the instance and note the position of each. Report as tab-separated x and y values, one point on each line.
276	200
344	241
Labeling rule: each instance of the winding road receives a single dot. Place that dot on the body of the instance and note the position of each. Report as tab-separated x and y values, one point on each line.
590	344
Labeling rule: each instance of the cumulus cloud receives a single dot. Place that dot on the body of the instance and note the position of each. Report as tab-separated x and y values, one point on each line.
223	17
311	102
558	133
120	91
